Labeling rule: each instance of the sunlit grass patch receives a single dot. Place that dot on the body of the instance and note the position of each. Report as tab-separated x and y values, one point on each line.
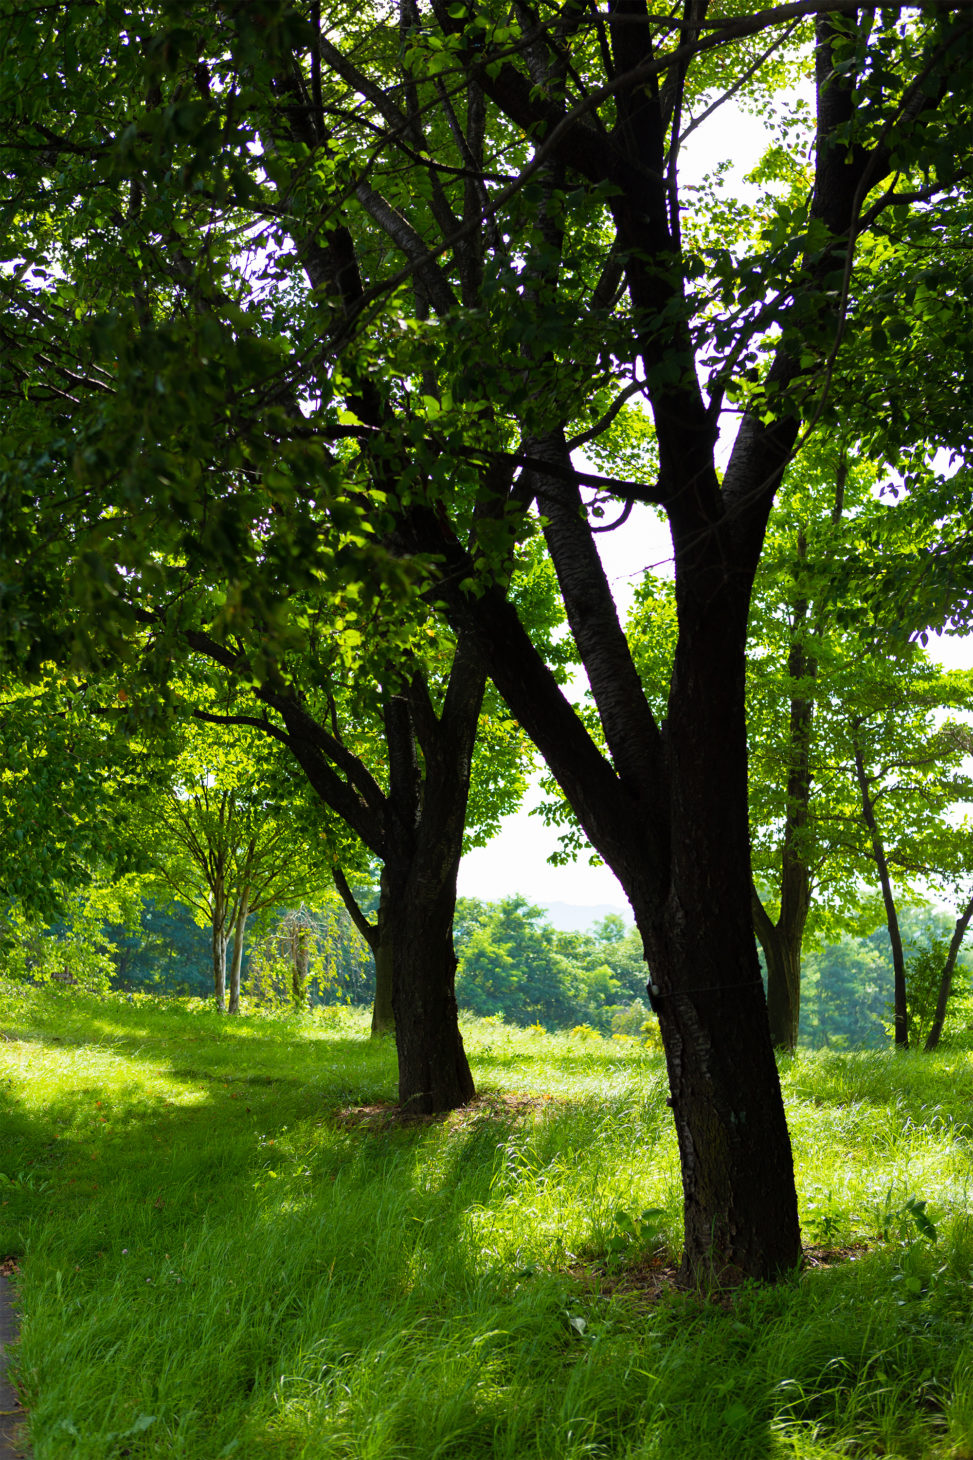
230	1247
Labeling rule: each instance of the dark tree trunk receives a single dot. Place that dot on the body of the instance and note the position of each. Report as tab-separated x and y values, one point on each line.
946	982
434	1073
425	842
738	1188
738	1183
430	755
383	1009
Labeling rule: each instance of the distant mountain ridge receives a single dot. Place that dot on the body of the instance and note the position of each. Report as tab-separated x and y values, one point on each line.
572	917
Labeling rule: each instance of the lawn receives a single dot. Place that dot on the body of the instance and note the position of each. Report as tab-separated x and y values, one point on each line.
227	1247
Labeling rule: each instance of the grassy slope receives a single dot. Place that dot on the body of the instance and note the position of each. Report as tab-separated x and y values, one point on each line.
218	1262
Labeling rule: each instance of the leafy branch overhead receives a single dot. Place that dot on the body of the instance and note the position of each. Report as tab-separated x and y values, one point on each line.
305	316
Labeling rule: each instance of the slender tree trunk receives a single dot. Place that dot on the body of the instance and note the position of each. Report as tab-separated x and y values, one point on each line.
219	964
781	943
888	897
236	964
383	1009
378	936
946	982
782	946
301	966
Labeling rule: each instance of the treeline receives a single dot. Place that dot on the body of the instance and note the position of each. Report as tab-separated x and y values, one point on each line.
513	965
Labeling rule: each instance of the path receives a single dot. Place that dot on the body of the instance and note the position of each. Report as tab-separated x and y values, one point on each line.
11	1415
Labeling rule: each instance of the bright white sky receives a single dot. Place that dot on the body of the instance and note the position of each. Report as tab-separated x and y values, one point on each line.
516	861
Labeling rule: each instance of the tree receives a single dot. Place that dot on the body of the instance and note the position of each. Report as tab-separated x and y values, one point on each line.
218	842
520	172
813	662
923	778
70	784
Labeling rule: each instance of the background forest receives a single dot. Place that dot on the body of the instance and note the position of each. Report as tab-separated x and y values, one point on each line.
514	965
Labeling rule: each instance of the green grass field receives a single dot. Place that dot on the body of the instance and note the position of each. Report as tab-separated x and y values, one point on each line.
227	1249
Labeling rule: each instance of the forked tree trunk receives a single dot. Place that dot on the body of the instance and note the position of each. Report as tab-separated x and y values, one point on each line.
670	818
425	842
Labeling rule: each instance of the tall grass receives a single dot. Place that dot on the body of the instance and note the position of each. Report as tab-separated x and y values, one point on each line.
228	1250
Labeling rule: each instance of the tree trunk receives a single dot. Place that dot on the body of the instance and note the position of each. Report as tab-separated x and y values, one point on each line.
379	939
219	964
781	943
427	817
383	1009
741	1215
891	916
301	967
669	815
740	1205
946	982
434	1074
236	964
783	950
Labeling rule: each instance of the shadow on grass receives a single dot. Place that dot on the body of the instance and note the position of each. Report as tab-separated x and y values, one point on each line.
348	1291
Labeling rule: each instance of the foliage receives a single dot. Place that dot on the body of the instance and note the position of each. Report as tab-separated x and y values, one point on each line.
165	952
70	783
76	949
514	964
308	958
848	984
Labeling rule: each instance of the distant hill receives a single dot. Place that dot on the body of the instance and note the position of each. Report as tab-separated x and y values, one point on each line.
572	918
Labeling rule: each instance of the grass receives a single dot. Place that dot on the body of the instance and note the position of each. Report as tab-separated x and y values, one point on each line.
226	1250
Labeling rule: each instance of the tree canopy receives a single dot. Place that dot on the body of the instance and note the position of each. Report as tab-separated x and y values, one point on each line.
319	308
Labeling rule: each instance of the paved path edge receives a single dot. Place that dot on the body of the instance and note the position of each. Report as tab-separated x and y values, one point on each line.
13	1418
